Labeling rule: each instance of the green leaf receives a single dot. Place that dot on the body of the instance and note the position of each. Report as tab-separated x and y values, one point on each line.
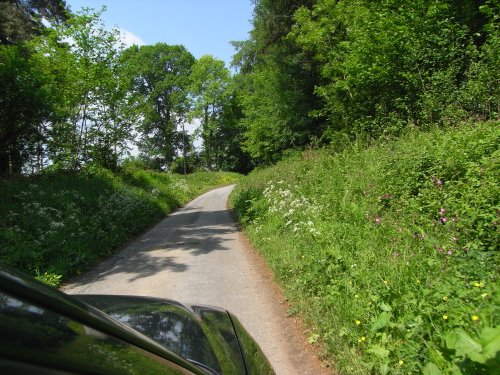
313	338
381	321
462	343
431	369
490	338
379	351
384	368
432	262
385	307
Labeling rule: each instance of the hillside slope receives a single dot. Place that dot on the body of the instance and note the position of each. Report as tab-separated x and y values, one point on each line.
59	224
390	252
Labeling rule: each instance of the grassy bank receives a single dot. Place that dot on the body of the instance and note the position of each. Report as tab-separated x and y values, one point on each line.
59	224
390	252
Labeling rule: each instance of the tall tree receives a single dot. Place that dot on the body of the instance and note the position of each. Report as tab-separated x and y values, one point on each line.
277	83
26	101
22	19
93	123
316	71
388	64
159	81
26	105
209	86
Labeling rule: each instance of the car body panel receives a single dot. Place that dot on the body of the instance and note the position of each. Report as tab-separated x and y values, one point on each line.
41	327
201	334
38	336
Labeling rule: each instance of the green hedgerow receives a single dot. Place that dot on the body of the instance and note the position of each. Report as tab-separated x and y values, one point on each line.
390	252
59	224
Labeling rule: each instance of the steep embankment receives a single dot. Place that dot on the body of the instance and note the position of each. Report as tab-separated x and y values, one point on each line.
390	252
59	224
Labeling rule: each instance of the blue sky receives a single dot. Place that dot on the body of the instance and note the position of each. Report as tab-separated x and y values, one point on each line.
202	26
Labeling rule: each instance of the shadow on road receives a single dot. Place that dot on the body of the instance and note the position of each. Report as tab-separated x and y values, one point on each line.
194	231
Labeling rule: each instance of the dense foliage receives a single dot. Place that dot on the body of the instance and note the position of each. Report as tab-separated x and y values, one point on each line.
386	240
59	224
72	96
159	78
22	19
391	251
316	72
313	72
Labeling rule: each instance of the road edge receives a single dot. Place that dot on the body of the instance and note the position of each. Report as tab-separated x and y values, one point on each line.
294	325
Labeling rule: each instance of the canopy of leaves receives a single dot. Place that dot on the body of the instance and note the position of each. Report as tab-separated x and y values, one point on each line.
326	70
159	78
26	102
22	19
276	84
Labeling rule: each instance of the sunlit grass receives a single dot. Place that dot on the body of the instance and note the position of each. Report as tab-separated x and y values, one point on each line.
387	251
59	224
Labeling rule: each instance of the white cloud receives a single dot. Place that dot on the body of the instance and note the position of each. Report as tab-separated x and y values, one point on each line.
129	38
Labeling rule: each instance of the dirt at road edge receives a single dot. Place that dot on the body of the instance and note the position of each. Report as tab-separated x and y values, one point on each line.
307	356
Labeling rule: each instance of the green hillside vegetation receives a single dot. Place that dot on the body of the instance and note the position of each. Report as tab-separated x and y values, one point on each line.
389	251
58	224
381	216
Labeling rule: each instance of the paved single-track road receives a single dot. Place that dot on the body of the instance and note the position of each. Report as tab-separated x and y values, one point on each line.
197	256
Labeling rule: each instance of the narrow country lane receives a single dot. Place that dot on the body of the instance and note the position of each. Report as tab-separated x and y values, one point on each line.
196	256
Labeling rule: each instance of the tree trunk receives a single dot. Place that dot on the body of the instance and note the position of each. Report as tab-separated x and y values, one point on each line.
4	164
184	147
206	139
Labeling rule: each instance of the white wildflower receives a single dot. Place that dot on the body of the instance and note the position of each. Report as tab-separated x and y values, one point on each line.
56	224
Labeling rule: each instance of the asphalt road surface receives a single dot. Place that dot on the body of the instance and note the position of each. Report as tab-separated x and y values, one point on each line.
197	256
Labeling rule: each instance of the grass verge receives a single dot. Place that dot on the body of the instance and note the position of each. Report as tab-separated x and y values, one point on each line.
59	224
390	252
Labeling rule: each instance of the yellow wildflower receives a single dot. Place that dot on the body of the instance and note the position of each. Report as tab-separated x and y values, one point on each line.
401	362
358	322
445	317
445	298
475	317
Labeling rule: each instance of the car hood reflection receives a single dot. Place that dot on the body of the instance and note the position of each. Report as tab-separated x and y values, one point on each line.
175	326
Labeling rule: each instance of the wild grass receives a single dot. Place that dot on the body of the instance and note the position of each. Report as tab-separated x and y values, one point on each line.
390	252
59	224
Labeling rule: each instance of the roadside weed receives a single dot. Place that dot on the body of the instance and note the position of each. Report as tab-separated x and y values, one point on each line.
59	224
400	272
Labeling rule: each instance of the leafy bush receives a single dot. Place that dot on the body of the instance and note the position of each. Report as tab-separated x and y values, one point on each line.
59	224
390	252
